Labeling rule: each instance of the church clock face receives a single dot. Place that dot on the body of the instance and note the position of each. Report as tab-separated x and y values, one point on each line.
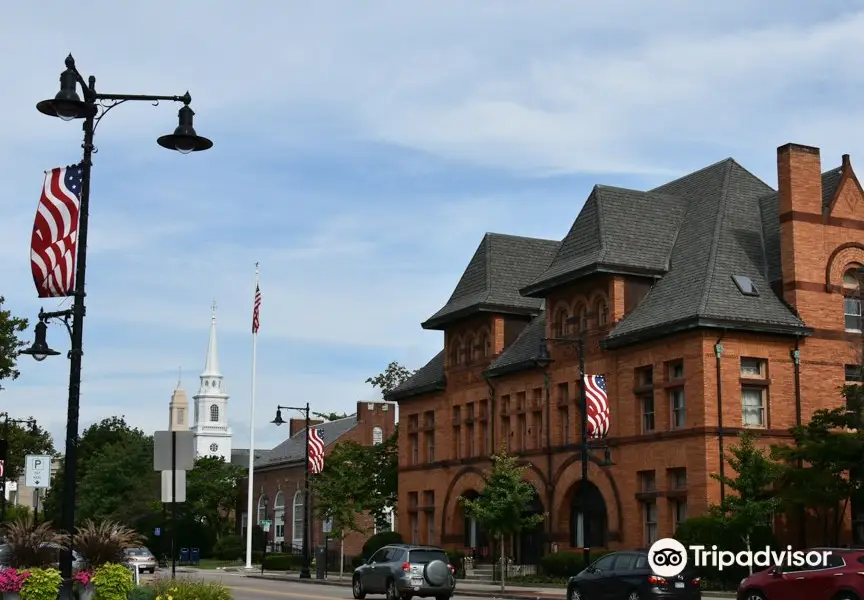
214	447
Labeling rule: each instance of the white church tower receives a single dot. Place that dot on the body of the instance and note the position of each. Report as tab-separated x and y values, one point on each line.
212	434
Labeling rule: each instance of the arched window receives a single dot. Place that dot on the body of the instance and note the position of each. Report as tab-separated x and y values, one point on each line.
485	346
455	345
560	323
298	519
602	313
470	349
214	412
279	517
377	435
262	509
852	277
580	314
460	353
852	301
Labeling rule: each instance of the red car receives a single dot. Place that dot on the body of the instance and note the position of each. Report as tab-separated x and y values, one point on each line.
841	578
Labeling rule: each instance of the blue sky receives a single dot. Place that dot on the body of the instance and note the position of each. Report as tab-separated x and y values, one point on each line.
361	151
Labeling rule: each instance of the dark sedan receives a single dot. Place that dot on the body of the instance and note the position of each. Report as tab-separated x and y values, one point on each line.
621	575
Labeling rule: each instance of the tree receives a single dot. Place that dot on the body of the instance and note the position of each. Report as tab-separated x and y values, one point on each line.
752	503
10	345
384	469
331	416
24	440
500	507
211	493
341	490
394	375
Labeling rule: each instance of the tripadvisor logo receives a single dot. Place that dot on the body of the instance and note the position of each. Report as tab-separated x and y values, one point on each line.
668	557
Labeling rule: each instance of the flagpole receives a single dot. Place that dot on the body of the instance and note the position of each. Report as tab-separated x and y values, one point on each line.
249	520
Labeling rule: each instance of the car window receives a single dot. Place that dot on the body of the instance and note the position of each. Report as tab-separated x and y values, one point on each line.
379	556
642	562
137	552
625	562
835	561
605	563
424	557
393	554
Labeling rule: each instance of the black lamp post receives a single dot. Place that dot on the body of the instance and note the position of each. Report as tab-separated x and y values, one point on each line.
4	452
68	105
584	448
304	571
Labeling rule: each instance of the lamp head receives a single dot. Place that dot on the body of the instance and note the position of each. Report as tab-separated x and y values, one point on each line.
543	359
184	139
40	349
278	420
66	105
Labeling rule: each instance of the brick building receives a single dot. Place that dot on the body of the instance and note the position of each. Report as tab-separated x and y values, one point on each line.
279	474
710	304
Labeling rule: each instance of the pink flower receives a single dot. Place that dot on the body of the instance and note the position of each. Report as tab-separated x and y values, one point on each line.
12	580
82	578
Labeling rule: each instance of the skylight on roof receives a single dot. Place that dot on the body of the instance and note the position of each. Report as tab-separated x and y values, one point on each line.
745	285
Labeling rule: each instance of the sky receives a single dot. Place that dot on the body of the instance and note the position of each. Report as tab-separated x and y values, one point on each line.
361	150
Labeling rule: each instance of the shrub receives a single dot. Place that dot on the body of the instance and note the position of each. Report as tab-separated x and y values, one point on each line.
379	540
457	560
11	580
105	542
41	584
33	547
229	547
112	582
190	589
142	592
565	564
283	562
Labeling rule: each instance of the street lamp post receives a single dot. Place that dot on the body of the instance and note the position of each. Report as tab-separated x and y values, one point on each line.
584	448
304	571
4	455
68	105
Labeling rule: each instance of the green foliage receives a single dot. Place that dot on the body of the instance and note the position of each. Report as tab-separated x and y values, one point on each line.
565	564
229	548
278	561
457	561
10	343
33	546
500	508
42	584
190	589
751	502
142	592
18	512
24	440
211	490
331	416
105	542
379	540
112	582
394	375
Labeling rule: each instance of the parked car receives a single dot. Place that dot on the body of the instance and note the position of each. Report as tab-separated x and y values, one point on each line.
627	575
141	559
78	563
839	579
401	571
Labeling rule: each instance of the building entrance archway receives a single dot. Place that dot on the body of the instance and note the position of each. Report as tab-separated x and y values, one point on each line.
529	547
589	521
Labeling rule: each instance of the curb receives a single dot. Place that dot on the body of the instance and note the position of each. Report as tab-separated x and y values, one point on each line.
459	592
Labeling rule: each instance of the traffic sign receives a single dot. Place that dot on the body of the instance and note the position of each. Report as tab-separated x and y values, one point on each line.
157	532
327	526
184	460
37	471
265	525
168	482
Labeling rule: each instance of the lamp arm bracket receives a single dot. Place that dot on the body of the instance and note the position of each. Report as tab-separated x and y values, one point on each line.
64	315
185	98
102	108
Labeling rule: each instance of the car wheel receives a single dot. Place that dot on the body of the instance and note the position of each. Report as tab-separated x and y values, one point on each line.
152	571
574	594
357	588
634	595
846	596
391	593
753	595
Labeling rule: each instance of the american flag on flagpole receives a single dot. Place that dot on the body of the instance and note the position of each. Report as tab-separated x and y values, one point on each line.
597	402
316	451
256	311
53	244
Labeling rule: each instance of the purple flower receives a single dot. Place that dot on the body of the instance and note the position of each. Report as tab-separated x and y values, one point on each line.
12	580
82	578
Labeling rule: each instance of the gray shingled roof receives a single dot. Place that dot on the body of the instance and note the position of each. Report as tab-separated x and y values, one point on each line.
294	448
617	231
240	456
524	351
721	236
500	266
427	379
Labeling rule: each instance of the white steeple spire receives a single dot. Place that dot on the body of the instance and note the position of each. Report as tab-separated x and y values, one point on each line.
211	367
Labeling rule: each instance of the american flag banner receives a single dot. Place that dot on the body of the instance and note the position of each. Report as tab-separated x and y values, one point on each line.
597	402
316	451
256	311
55	232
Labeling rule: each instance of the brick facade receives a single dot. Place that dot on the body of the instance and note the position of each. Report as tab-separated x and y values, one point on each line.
660	473
283	478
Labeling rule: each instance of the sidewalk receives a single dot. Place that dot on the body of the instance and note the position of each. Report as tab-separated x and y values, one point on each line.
464	588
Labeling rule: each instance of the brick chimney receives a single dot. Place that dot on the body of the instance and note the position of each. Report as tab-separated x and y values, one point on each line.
802	252
296	425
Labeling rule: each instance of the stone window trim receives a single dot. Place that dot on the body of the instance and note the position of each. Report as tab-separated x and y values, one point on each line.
846	256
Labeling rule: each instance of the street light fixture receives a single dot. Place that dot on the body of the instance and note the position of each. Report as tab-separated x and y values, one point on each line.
91	106
585	450
304	571
4	454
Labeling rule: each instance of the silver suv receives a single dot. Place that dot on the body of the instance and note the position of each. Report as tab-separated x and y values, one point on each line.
401	571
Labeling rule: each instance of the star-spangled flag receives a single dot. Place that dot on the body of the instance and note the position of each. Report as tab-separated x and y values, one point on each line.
597	405
256	310
316	451
54	242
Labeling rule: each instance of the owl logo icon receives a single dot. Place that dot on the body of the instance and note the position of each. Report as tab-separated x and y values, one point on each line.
667	557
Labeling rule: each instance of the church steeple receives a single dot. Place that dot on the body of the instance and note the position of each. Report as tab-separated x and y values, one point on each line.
178	408
211	367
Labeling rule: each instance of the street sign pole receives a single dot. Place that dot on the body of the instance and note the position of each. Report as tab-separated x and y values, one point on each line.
173	504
